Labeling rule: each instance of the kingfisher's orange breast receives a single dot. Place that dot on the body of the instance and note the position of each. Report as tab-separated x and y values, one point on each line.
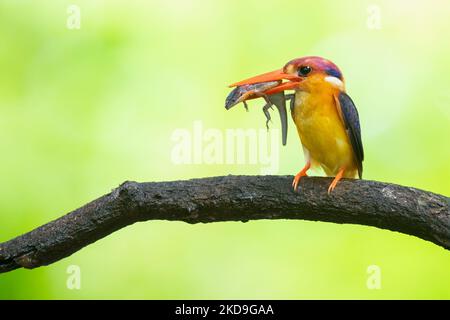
322	132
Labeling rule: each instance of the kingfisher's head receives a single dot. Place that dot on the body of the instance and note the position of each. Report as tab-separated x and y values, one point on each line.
302	73
312	70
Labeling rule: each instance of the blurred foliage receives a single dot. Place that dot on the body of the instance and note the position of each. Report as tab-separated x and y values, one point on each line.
83	110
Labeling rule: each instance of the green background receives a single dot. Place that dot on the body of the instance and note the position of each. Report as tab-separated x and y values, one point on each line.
83	110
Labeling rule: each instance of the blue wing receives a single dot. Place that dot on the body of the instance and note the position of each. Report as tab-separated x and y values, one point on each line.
350	118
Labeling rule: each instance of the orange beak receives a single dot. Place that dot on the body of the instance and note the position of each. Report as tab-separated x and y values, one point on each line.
277	75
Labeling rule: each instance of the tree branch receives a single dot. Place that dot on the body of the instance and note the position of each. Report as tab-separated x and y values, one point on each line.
233	198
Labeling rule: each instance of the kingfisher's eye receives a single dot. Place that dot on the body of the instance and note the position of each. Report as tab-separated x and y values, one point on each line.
304	70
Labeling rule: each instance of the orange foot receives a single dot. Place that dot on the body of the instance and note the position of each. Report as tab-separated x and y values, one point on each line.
336	180
302	173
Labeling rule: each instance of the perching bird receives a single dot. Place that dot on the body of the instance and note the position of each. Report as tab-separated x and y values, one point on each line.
326	118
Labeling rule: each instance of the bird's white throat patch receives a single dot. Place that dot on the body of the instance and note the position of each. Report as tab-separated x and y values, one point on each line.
335	82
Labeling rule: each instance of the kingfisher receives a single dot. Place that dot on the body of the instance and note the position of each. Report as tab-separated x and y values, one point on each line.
326	118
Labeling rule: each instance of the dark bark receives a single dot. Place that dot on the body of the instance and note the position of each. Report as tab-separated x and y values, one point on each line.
233	198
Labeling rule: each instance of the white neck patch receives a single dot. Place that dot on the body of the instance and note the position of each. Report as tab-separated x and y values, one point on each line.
335	82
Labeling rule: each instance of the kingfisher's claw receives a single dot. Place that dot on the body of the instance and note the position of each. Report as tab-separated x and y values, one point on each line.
301	174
